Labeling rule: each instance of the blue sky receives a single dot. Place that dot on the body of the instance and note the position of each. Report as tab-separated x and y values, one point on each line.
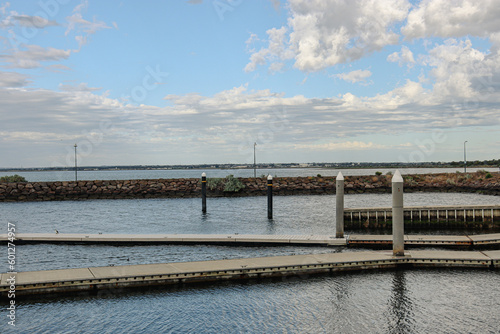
199	81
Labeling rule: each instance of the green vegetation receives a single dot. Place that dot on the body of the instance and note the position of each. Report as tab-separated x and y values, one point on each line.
409	180
319	175
388	173
213	183
233	184
12	178
227	184
488	176
378	173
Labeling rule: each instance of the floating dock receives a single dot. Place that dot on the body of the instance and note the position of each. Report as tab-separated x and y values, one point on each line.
428	240
95	279
256	240
141	239
426	216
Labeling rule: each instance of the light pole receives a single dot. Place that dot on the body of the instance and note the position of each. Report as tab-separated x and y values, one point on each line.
465	159
76	166
254	162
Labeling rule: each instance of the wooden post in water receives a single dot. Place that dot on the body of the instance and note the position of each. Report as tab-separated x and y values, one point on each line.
204	192
398	233
339	197
270	197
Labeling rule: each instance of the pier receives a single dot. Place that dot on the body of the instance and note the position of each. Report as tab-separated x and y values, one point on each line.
146	239
93	279
476	240
426	216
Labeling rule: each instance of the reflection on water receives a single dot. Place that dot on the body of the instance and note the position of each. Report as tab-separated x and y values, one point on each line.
400	317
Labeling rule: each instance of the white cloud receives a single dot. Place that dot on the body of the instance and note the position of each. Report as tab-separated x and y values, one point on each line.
34	21
348	145
81	26
462	72
403	57
325	33
10	19
321	34
6	20
34	136
276	67
230	120
12	79
82	87
276	50
444	18
355	76
3	8
33	55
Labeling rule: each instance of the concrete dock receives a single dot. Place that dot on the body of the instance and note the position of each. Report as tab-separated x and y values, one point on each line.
256	240
94	279
461	214
224	239
428	240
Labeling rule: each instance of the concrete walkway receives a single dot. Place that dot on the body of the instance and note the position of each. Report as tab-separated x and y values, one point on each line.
227	239
96	278
257	240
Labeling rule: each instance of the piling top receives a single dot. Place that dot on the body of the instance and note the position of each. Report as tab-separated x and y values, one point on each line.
397	177
340	177
269	177
203	174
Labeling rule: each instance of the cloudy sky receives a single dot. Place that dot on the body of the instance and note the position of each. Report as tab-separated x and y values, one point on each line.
199	81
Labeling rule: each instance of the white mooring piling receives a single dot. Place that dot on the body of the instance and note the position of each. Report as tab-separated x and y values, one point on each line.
398	248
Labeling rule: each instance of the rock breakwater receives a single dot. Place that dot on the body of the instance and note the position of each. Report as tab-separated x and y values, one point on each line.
479	182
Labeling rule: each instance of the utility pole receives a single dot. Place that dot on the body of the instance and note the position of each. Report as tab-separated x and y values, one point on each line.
254	162
465	159
76	166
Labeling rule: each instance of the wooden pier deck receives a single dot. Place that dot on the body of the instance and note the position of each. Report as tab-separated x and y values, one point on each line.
94	279
256	240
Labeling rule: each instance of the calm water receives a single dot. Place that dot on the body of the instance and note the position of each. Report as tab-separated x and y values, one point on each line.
451	301
414	301
175	174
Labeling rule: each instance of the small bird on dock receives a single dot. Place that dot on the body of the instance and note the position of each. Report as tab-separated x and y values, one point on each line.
57	232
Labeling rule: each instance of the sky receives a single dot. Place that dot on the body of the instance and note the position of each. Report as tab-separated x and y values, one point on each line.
201	81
